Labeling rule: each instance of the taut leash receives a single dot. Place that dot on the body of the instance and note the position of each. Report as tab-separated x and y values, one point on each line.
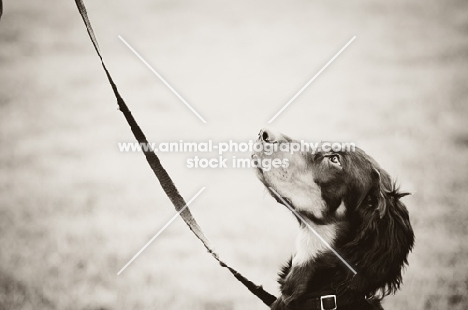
164	179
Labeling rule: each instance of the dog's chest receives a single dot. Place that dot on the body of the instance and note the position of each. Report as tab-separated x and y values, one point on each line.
309	245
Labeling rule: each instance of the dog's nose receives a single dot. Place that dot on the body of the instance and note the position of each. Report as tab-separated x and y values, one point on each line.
268	135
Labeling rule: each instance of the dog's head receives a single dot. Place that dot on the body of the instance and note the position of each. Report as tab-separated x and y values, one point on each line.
347	188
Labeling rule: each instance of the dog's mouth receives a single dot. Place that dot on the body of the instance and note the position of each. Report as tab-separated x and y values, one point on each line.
261	176
284	201
280	199
258	168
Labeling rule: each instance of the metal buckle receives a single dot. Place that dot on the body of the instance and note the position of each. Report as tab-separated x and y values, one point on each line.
325	297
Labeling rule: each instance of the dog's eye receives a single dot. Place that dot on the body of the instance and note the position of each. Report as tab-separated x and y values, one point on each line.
335	159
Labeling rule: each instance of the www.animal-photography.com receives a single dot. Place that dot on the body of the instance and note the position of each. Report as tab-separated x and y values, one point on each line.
228	155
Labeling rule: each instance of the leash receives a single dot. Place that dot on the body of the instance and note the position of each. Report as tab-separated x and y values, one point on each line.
164	179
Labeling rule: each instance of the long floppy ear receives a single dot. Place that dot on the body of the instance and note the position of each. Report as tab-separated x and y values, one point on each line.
384	238
378	192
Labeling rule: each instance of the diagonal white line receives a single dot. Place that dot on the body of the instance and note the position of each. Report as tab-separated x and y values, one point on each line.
160	231
162	79
312	79
313	230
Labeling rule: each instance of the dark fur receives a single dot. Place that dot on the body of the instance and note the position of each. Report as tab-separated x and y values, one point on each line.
374	236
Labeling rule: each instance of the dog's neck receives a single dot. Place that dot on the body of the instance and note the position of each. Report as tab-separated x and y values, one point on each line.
312	243
314	270
308	243
315	238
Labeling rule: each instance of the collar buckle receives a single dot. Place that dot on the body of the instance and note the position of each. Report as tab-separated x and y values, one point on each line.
328	302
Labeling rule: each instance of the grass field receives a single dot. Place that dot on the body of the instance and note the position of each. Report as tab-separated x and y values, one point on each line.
74	210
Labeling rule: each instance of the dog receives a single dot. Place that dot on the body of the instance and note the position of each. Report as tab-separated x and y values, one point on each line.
355	207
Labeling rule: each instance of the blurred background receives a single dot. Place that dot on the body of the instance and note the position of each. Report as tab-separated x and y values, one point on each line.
74	210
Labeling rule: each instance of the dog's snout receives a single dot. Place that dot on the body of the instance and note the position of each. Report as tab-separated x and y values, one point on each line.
268	136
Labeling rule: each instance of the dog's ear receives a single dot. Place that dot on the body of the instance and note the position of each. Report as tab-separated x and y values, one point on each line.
384	239
372	198
377	193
